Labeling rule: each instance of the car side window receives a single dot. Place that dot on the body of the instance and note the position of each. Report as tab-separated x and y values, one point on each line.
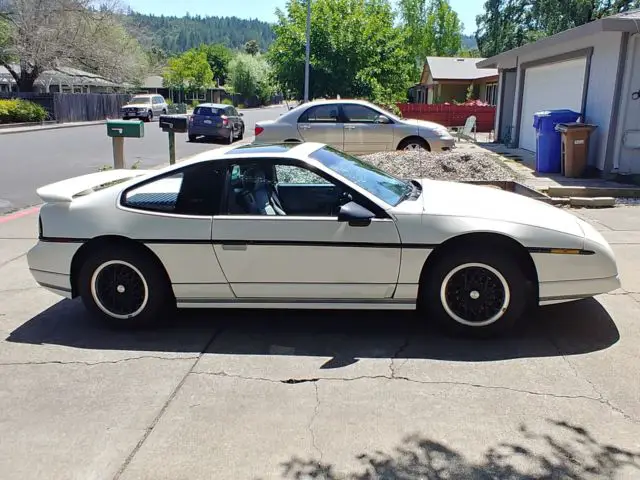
196	190
229	112
320	114
279	188
354	113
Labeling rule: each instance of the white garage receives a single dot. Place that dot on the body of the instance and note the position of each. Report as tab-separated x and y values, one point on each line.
552	86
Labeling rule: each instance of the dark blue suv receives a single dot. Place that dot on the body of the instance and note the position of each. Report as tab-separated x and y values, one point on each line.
216	121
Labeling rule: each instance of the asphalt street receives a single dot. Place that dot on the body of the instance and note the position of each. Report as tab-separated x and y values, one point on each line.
32	159
248	395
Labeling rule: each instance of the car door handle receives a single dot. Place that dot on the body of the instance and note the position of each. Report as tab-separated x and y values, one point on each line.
305	127
350	127
234	246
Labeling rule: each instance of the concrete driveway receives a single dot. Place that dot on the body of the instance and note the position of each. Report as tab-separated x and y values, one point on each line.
297	395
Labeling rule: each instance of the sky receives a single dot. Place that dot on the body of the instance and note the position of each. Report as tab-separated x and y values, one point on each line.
264	9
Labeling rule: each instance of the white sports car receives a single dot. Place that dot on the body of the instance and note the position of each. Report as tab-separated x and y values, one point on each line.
308	226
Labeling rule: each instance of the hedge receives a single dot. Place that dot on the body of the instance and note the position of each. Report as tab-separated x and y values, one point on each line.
21	111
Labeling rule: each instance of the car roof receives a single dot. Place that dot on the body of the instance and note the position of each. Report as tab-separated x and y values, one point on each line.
259	150
213	105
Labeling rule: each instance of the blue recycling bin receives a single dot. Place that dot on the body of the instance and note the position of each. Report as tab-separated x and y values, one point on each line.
548	141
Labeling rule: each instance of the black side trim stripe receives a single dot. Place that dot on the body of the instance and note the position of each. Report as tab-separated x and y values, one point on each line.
293	243
230	301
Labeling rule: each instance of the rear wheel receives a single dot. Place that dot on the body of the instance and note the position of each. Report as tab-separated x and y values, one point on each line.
478	293
230	138
414	144
192	138
126	288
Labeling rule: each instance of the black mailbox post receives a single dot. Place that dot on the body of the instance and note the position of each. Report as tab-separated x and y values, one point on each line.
173	124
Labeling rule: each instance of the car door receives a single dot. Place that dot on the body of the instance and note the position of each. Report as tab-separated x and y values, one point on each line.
172	216
236	120
321	123
363	131
306	254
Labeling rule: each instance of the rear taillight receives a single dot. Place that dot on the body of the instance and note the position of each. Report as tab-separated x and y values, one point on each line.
225	121
190	119
259	130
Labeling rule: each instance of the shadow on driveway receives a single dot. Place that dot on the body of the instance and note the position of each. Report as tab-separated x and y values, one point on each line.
344	336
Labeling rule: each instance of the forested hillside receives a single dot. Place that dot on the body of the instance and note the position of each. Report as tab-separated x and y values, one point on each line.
178	34
469	42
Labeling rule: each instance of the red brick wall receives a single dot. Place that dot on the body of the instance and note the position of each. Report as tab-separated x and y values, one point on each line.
451	115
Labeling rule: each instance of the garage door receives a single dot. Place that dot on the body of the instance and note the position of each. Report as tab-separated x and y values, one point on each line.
550	87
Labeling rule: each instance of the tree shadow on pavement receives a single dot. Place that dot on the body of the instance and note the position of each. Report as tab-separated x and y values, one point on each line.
564	451
343	336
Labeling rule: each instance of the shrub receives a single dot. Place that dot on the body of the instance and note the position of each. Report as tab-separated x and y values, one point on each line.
21	111
227	101
195	103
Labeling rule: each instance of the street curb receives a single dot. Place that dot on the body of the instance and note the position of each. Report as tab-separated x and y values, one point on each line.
579	191
10	131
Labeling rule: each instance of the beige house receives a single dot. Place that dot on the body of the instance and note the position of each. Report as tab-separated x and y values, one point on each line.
447	79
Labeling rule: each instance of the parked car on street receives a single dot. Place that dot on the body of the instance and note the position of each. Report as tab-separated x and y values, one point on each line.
308	226
216	121
355	127
145	107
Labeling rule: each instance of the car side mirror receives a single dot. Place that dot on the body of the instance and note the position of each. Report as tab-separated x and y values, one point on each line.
356	215
241	114
383	119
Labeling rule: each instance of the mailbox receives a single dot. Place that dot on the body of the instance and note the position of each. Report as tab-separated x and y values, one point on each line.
125	128
174	123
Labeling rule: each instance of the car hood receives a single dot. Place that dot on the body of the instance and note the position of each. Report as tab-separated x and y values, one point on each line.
137	105
466	200
423	124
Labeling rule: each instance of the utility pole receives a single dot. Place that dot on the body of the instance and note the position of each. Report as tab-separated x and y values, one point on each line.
308	53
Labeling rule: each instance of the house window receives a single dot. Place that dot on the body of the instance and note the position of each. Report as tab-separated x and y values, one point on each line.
491	94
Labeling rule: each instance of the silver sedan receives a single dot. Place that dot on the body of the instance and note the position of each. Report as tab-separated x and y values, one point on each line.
354	126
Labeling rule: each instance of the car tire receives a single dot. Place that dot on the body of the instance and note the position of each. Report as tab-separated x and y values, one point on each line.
149	117
192	138
241	136
478	293
140	296
230	139
414	144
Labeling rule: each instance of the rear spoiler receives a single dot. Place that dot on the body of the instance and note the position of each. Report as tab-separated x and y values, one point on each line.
65	190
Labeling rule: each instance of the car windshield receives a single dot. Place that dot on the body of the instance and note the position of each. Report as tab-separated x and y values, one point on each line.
140	100
208	111
386	187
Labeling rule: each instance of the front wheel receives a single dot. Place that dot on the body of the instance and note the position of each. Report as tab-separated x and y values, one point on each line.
414	144
241	136
125	287
481	293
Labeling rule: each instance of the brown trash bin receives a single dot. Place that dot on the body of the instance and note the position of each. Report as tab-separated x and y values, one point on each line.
575	147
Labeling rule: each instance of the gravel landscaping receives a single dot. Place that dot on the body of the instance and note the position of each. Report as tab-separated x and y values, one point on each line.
460	166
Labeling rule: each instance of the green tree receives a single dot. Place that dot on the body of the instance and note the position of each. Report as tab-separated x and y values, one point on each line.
44	34
356	51
431	28
508	24
189	71
218	57
252	47
250	75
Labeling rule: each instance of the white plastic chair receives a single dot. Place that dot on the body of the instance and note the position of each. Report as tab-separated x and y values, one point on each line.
468	131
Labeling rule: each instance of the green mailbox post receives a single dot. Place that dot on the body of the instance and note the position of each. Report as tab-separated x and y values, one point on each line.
118	130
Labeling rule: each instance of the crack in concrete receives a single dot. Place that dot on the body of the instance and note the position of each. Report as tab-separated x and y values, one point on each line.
296	381
7	262
402	348
316	410
166	404
90	364
601	397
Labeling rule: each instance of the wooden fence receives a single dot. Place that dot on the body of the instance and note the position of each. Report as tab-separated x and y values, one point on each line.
76	107
451	115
